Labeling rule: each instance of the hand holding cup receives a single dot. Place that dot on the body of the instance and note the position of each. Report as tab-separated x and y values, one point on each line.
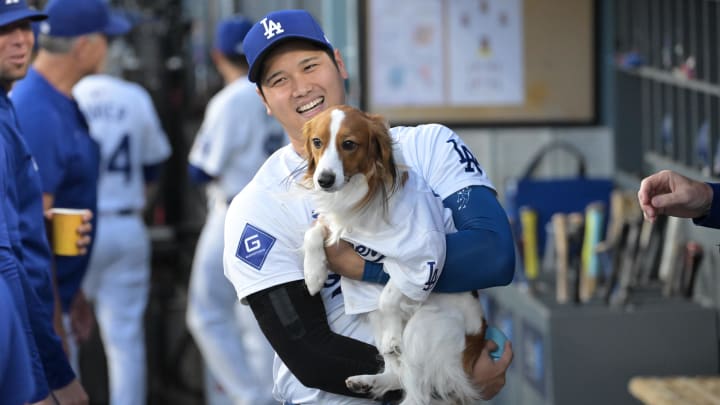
70	231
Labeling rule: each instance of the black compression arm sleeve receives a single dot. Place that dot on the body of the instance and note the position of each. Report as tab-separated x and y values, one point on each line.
295	324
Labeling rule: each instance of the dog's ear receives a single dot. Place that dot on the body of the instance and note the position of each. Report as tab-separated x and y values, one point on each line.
381	147
308	133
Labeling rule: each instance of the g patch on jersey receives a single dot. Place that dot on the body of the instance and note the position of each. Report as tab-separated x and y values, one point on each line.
254	246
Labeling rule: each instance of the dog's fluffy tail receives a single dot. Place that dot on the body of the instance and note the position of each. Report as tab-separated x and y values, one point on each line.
433	343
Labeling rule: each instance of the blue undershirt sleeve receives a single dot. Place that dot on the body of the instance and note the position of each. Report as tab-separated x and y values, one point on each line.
481	254
197	175
151	172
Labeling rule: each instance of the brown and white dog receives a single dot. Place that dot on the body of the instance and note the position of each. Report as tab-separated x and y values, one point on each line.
355	179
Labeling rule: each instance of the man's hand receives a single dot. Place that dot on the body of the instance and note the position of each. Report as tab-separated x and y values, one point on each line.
71	394
489	375
343	260
670	193
82	318
83	231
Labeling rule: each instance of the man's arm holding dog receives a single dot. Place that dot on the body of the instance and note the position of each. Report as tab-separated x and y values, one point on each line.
483	236
295	323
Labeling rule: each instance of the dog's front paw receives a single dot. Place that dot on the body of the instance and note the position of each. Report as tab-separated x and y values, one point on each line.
360	384
315	270
315	280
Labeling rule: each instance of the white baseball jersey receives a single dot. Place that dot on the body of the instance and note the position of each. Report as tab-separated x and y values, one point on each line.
266	223
412	242
231	149
124	122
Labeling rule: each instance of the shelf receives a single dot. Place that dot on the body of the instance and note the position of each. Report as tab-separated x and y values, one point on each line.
666	77
659	162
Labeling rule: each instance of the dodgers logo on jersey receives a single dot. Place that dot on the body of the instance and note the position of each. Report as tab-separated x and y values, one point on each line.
432	276
254	246
272	28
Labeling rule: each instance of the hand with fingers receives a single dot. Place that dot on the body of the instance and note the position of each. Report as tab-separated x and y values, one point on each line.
669	193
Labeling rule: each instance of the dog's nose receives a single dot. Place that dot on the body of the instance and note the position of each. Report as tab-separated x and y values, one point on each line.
326	179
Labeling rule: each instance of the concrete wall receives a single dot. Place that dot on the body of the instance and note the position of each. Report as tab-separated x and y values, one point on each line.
506	152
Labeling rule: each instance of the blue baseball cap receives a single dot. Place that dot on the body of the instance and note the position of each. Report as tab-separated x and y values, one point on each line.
72	18
276	27
11	12
230	33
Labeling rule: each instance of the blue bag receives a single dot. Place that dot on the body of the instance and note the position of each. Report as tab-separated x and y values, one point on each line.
549	196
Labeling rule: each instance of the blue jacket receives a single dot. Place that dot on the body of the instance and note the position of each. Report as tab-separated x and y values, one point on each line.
712	219
32	249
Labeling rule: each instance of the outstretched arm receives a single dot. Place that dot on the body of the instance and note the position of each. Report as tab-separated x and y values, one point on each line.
669	193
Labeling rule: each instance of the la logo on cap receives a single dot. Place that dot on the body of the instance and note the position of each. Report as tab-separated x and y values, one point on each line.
11	2
271	28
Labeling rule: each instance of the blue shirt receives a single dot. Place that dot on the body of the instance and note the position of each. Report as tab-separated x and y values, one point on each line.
10	267
68	159
16	380
712	219
26	198
4	236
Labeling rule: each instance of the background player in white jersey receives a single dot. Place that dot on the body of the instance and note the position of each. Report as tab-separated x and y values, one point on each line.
133	146
235	138
298	75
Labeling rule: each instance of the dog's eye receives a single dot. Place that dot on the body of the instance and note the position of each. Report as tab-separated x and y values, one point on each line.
349	145
317	143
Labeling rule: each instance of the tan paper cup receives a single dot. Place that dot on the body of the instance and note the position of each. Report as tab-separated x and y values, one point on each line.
65	223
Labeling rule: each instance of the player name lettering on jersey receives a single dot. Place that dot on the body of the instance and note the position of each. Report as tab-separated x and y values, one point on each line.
368	254
105	111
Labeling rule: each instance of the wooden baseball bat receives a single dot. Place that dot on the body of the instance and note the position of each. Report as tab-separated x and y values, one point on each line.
693	258
559	223
626	272
529	223
594	219
575	231
669	248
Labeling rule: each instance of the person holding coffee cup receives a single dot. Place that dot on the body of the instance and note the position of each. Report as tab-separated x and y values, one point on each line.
29	273
72	43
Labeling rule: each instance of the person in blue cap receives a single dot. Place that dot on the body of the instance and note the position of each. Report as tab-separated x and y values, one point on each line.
235	138
298	74
30	281
72	44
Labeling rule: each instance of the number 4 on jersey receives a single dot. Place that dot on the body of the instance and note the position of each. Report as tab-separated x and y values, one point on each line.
120	159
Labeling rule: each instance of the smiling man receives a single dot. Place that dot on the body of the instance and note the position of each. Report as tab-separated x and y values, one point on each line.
31	285
299	74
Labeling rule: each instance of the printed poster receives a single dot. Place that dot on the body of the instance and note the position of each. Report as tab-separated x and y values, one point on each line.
446	53
406	52
486	52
